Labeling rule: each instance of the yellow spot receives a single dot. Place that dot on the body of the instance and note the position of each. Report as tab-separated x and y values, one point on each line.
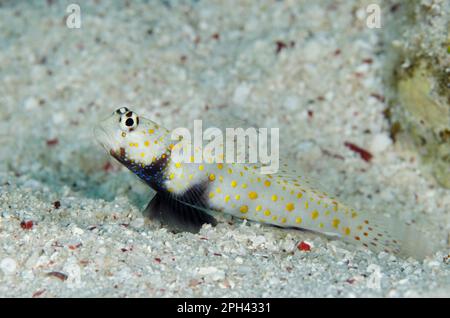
211	194
230	171
220	178
237	196
299	195
314	214
267	183
335	223
347	231
327	212
274	217
227	198
321	225
124	134
151	131
218	190
220	166
163	155
243	209
233	184
178	165
274	197
191	159
267	212
244	185
252	195
201	167
190	177
142	154
171	176
354	215
298	220
306	204
290	207
156	141
212	177
283	220
258	208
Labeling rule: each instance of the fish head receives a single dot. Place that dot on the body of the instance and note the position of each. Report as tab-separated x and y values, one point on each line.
130	138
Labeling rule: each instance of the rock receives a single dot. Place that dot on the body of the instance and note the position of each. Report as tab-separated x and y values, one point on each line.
241	93
211	272
417	81
8	266
380	142
31	103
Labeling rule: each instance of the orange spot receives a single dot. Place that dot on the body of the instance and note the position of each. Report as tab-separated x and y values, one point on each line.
290	207
335	223
243	209
252	195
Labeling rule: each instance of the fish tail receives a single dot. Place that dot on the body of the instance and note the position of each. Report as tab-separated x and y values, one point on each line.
392	235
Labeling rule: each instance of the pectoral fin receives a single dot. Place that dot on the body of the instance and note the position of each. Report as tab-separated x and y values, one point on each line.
176	215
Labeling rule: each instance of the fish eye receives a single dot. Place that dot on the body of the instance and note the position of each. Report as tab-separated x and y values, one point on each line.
121	110
128	121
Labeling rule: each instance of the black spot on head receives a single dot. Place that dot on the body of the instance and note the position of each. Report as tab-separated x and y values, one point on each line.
129	122
129	114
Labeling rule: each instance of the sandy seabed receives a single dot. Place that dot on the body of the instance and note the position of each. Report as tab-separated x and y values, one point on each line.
70	219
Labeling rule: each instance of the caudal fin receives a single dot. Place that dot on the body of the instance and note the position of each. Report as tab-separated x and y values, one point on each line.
394	236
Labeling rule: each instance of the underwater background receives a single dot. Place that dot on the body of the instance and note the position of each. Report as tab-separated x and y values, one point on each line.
362	105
